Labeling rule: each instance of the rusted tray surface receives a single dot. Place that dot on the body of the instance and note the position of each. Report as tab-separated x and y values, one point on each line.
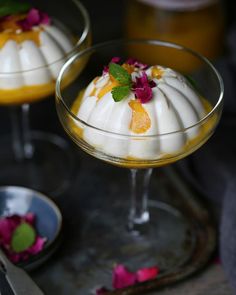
95	214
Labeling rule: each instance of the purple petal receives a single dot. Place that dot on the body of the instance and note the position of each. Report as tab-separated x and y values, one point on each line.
105	70
144	94
134	62
122	277
37	246
44	18
145	274
34	17
115	59
7	226
30	218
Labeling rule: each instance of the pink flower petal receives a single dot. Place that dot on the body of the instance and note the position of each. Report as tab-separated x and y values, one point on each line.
144	94
142	88
45	19
7	226
30	218
34	17
122	277
134	62
145	274
115	59
37	246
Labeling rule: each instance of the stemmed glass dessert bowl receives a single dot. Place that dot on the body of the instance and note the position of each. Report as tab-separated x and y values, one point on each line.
138	116
35	43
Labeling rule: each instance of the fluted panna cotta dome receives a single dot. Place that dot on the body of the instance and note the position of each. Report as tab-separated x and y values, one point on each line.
33	56
173	105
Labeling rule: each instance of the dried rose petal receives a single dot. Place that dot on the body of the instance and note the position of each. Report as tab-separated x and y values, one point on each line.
144	94
145	274
101	291
34	17
7	227
142	88
115	60
29	217
134	62
37	246
122	277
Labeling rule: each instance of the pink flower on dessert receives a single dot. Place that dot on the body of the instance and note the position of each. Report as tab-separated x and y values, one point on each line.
145	274
142	88
115	60
34	17
122	277
134	62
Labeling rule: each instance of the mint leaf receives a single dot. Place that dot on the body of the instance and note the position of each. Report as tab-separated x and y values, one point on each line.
120	92
9	7
23	237
120	74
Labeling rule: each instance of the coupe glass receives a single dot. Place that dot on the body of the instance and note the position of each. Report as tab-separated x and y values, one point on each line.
155	229
37	159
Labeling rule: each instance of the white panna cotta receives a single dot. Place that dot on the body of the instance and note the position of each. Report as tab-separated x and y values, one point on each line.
143	127
47	45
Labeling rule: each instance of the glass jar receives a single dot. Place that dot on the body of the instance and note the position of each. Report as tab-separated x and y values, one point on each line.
196	24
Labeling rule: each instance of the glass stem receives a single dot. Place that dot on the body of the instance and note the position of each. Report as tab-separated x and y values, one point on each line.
21	140
139	213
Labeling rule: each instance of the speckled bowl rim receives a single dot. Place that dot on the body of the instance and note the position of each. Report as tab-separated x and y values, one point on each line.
48	249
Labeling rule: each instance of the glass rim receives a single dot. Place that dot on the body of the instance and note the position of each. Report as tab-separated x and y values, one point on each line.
139	41
85	33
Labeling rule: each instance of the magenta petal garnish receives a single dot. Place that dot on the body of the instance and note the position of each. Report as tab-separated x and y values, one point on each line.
34	17
101	291
45	19
134	62
115	60
144	94
142	88
7	227
37	246
29	217
145	274
122	277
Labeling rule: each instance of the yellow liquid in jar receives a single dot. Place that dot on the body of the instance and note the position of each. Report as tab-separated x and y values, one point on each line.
201	30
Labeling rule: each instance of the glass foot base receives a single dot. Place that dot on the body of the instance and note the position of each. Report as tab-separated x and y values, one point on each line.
168	242
49	169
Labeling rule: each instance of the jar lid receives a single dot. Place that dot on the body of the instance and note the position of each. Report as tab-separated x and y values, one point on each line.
179	4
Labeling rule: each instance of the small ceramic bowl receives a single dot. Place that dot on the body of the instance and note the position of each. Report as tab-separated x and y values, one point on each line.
20	200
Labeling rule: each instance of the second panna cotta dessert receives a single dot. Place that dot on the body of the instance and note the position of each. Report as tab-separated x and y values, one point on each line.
135	111
33	47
